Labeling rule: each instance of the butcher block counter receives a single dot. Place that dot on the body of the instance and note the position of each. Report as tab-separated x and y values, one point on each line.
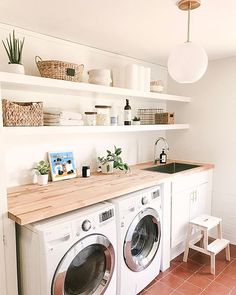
30	203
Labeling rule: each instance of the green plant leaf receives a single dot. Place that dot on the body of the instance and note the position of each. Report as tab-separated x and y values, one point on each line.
14	48
108	152
118	151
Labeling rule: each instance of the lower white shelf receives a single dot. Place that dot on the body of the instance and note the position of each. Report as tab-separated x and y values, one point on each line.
89	129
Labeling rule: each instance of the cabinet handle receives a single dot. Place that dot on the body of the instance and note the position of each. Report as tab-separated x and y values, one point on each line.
192	196
195	196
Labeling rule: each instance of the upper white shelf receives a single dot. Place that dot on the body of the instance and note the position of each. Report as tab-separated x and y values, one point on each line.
15	131
39	84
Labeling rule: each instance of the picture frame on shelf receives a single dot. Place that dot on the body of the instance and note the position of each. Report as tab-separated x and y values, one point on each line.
62	165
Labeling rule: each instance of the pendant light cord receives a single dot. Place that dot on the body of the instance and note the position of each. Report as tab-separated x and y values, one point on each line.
189	19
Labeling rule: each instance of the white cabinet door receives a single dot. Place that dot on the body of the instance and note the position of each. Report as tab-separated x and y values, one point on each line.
193	200
180	216
200	201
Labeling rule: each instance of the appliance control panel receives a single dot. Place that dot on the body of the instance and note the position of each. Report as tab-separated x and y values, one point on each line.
156	194
106	215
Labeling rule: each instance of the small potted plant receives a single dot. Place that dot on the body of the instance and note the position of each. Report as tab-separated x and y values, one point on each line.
136	121
112	161
42	170
14	48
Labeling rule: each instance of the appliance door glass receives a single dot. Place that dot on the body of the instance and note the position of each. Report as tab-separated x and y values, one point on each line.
86	268
142	240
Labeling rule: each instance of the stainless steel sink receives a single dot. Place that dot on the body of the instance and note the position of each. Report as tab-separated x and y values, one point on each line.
171	168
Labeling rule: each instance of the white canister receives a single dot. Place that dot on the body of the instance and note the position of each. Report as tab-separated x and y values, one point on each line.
132	76
100	77
141	78
147	79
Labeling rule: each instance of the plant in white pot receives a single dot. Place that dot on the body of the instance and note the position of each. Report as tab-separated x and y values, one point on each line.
42	170
112	161
136	121
14	48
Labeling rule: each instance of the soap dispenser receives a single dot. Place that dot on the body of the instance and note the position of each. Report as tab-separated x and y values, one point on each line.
163	157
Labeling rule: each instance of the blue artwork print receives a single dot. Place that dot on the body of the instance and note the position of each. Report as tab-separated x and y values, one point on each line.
62	165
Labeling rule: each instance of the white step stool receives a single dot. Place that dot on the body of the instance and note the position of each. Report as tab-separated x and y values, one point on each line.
204	223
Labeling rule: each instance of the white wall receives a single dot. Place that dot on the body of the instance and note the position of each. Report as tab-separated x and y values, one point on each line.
212	137
24	151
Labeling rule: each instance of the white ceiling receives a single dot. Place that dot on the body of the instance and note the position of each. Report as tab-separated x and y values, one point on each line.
144	29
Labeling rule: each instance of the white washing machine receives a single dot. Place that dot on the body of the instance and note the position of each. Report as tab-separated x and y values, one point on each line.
72	254
139	230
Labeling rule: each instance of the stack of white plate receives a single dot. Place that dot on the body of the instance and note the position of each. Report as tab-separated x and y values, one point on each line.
100	77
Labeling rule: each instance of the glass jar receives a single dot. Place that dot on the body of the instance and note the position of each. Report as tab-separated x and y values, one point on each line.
103	115
91	118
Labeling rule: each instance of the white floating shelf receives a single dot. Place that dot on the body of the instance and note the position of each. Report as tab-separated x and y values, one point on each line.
39	84
14	131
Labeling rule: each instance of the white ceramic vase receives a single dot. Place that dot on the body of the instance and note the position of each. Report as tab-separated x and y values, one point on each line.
108	167
42	179
16	69
136	123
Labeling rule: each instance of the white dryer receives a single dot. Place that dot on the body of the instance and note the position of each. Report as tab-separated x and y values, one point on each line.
72	254
139	229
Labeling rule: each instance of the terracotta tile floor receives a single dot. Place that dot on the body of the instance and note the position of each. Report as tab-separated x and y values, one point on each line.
193	277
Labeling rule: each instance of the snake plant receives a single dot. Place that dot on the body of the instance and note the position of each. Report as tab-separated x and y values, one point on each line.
14	47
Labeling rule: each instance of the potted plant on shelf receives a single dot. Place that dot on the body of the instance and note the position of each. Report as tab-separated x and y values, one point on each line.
136	121
113	161
14	48
42	170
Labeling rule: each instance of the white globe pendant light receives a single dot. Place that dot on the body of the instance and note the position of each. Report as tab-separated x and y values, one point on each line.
188	62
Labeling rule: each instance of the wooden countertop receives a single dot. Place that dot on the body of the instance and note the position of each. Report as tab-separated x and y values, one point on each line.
30	203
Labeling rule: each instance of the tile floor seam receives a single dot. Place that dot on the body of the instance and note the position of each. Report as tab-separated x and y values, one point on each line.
185	280
223	285
190	284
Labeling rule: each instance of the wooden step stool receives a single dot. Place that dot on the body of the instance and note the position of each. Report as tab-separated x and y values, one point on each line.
204	223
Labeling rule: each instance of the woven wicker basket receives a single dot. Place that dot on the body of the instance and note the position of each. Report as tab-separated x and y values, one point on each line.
164	118
61	70
22	113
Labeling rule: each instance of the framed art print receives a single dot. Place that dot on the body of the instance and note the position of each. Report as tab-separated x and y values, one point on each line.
62	165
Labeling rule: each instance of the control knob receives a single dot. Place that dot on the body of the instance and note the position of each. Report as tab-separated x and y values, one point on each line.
86	225
144	200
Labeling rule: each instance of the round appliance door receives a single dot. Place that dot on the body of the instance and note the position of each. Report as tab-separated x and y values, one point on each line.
142	240
86	268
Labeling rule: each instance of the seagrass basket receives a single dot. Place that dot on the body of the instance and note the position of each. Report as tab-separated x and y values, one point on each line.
61	70
164	118
22	113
